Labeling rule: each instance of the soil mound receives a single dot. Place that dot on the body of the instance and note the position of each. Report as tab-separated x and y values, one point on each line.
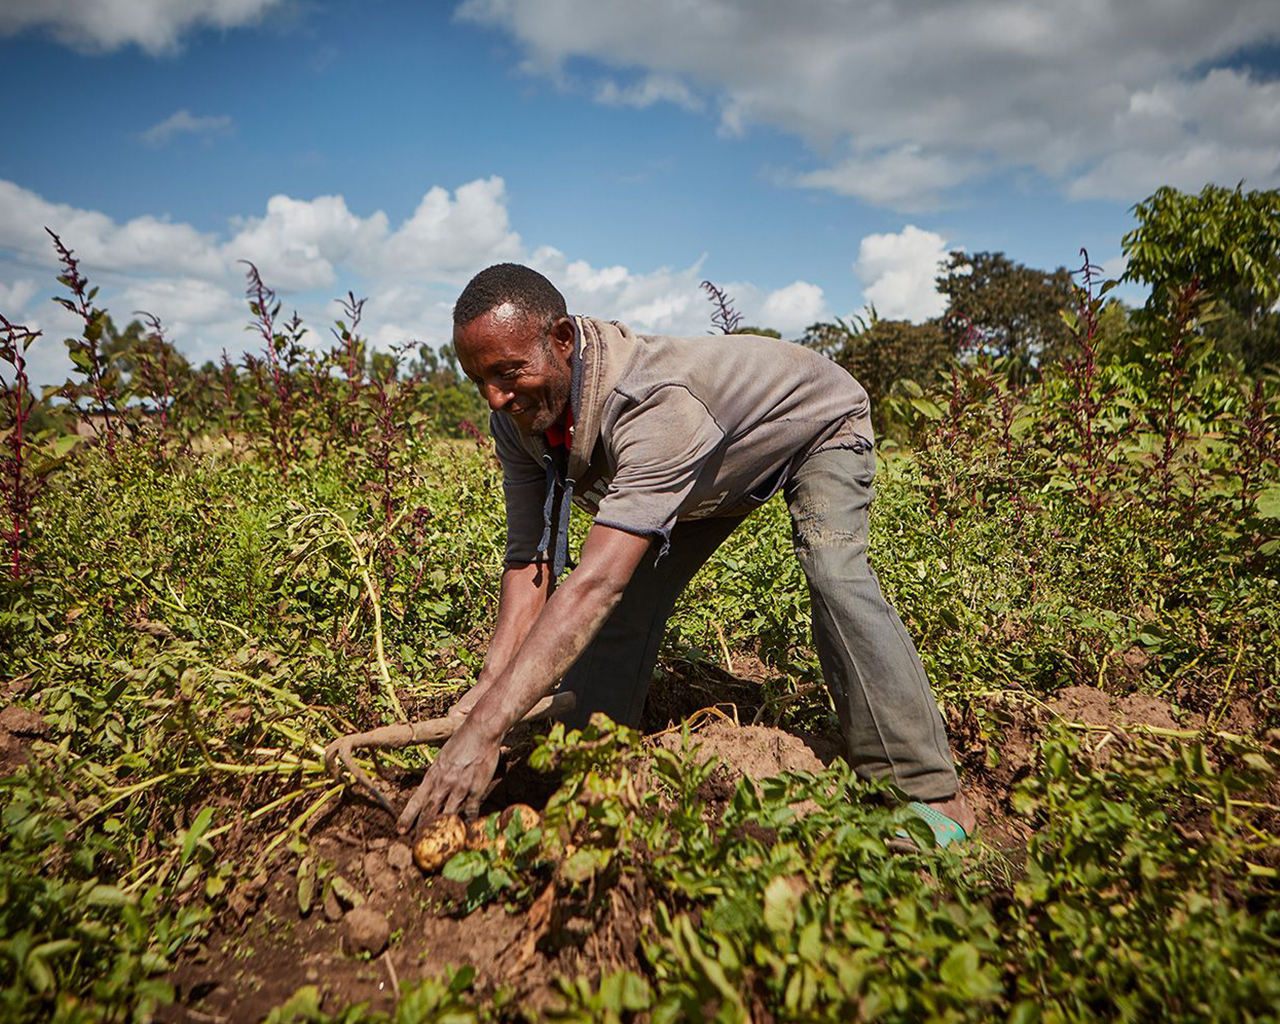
756	751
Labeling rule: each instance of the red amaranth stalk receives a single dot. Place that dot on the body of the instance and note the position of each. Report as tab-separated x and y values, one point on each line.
229	397
19	397
1083	373
1257	446
265	306
163	395
724	316
81	304
353	309
1175	370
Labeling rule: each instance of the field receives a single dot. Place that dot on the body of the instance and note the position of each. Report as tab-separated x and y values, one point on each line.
219	582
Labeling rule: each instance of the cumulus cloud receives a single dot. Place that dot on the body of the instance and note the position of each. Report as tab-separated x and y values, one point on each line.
156	26
1109	99
898	273
663	301
184	122
791	309
308	249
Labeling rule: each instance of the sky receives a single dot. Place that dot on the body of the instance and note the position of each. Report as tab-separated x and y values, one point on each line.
813	158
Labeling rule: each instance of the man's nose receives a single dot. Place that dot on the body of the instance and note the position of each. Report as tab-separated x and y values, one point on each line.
497	397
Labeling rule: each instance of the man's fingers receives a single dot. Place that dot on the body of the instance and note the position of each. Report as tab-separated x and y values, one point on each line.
416	804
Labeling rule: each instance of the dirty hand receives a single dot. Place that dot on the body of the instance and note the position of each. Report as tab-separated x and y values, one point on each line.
457	781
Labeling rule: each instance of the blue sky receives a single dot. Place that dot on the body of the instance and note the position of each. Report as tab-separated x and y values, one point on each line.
811	157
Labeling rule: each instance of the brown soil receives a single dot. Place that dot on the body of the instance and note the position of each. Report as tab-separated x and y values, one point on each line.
19	728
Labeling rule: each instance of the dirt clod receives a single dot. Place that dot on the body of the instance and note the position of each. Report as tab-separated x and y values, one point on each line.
399	856
367	930
22	722
332	908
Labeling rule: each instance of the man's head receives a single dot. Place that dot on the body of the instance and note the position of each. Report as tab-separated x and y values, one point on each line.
514	339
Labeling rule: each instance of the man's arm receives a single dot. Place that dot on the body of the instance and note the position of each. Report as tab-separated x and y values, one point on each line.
562	630
524	593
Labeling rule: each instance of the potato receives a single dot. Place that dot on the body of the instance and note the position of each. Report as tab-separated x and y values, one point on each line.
529	818
478	837
438	841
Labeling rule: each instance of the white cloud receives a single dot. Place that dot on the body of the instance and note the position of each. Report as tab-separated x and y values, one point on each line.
298	242
308	249
645	93
156	26
791	309
663	301
183	121
904	178
448	237
143	243
1108	98
14	298
898	273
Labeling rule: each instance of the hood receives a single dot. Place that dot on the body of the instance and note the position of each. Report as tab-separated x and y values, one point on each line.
605	349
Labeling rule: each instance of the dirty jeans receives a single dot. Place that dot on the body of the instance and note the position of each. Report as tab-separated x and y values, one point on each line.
888	716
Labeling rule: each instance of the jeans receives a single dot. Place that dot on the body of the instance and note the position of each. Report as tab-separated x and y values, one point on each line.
888	715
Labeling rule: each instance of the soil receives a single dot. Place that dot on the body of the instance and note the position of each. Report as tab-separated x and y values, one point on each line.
407	926
19	728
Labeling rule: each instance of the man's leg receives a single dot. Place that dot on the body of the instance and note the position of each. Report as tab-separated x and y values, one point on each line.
614	672
888	714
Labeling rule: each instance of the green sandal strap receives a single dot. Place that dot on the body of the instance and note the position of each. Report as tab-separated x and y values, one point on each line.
946	830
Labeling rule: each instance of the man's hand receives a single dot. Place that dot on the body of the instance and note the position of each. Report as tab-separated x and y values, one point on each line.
565	625
457	781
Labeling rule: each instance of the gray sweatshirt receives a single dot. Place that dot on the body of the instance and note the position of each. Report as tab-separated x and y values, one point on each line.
668	429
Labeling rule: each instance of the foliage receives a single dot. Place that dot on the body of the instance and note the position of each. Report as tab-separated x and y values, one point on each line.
248	558
1005	309
1228	242
880	353
1226	239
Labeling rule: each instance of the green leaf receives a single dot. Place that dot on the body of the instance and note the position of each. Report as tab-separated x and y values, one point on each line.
780	902
1268	503
106	896
197	829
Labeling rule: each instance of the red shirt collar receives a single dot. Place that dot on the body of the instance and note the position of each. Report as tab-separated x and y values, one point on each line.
559	435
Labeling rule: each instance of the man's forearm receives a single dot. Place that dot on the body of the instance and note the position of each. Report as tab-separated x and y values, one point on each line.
566	625
524	594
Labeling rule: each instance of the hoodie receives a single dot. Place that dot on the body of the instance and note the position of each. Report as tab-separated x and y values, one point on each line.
668	429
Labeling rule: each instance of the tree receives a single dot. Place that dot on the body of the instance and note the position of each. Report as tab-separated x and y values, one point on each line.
880	353
1229	241
1008	310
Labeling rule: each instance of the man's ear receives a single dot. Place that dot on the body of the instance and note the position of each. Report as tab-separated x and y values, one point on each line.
562	334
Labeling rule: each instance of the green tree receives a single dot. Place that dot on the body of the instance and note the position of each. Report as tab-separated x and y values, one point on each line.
880	353
1010	310
1229	241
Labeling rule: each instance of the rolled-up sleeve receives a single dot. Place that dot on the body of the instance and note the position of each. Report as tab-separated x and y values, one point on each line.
662	444
524	488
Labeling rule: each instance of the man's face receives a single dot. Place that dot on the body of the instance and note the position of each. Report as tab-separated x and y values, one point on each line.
519	368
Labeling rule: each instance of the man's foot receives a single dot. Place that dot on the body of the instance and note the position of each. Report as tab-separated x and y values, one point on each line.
957	809
951	820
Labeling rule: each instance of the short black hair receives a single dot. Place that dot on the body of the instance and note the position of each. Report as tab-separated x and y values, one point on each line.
526	289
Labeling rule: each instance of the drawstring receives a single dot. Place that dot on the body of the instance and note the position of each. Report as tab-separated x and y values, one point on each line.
547	504
559	558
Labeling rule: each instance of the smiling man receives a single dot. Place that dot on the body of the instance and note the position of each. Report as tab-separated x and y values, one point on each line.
669	443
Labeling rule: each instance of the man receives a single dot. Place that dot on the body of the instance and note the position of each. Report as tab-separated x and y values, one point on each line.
669	443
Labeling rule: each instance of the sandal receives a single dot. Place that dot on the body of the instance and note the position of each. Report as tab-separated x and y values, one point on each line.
946	830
